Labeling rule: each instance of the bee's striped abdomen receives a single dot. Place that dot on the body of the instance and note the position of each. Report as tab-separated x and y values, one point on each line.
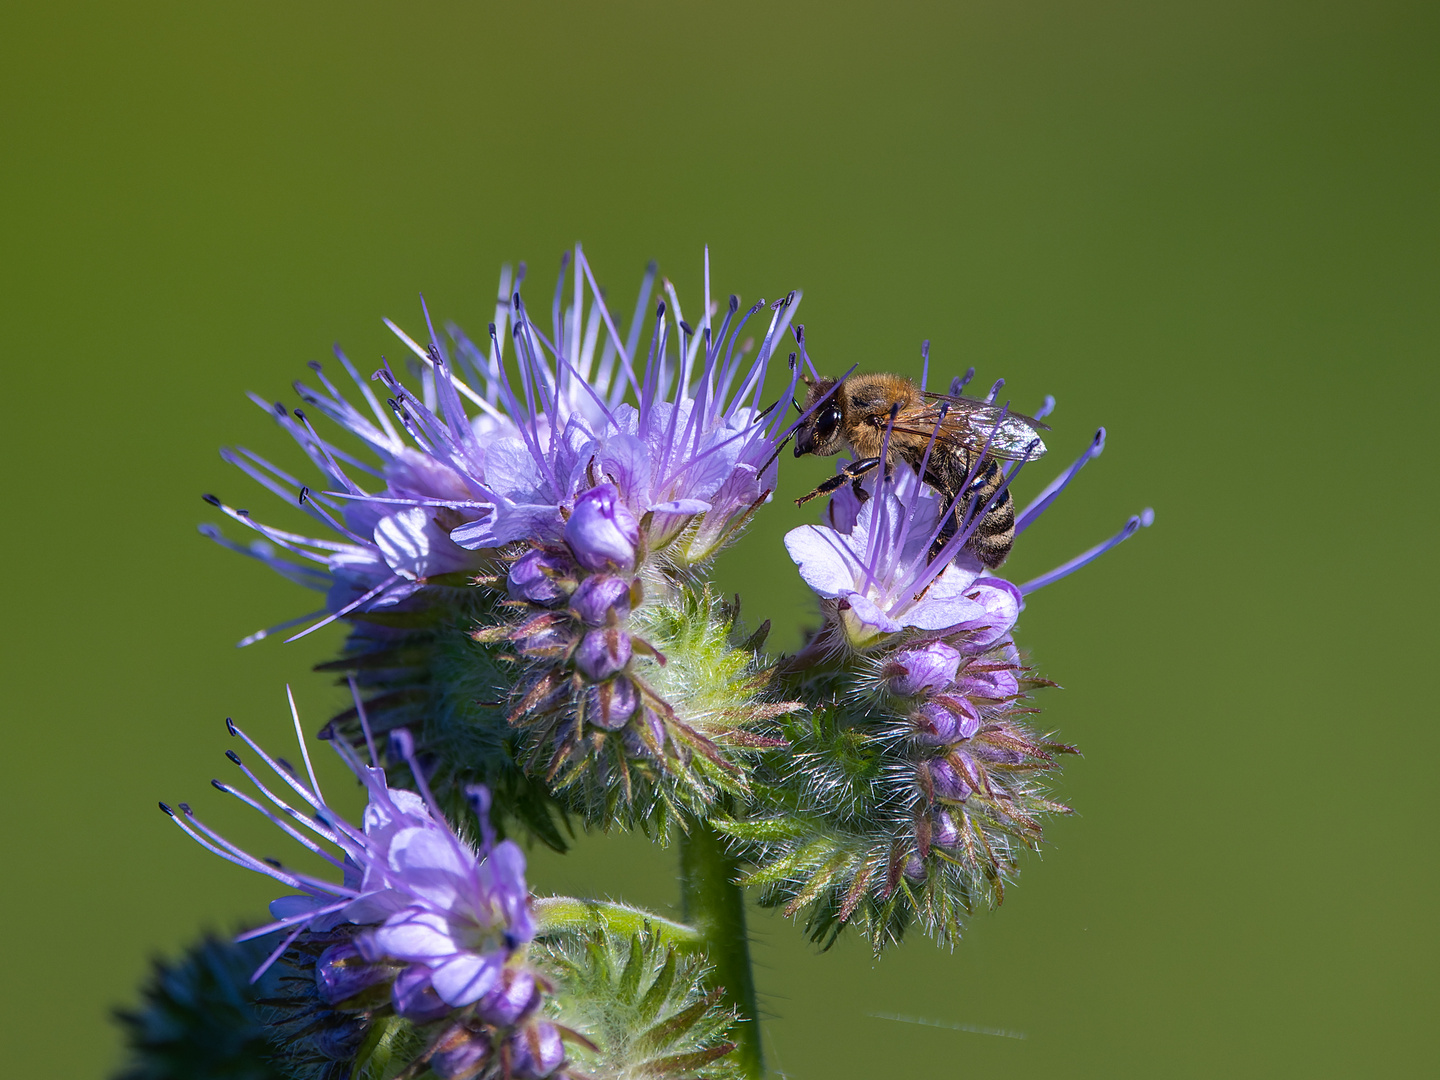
994	534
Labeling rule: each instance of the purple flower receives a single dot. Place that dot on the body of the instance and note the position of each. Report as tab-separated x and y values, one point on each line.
601	530
886	567
465	912
881	573
684	440
439	903
385	544
603	653
537	575
931	666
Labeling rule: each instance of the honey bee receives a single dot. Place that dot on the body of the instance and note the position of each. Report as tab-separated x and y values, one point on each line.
970	440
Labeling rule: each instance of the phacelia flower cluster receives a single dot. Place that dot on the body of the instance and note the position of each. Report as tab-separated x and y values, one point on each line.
596	481
920	774
422	926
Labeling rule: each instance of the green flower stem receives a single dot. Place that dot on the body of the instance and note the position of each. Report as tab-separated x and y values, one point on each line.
715	905
564	914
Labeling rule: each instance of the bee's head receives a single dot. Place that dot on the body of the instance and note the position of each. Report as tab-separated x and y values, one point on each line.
821	434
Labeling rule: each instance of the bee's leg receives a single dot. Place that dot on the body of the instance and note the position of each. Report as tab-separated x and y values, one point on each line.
851	473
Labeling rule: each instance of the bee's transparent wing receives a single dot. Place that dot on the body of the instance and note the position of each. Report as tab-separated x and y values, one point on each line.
972	424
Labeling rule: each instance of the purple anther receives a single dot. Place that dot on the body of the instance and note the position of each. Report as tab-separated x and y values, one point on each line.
402	744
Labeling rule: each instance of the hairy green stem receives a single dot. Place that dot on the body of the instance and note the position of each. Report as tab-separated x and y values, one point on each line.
715	905
565	914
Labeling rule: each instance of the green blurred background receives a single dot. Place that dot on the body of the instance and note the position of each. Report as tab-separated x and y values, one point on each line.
1210	226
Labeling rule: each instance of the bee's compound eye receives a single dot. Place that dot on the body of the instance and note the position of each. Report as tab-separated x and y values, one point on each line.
828	419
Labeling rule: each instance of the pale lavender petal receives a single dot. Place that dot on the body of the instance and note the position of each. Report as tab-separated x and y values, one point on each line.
825	563
864	620
416	547
1002	603
465	977
417	935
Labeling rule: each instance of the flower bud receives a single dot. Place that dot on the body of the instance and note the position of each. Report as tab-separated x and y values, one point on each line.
930	667
602	653
598	595
943	831
989	684
946	781
516	997
534	577
946	720
1003	755
414	998
601	531
461	1053
915	868
636	746
611	704
337	1041
536	1051
547	641
341	973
